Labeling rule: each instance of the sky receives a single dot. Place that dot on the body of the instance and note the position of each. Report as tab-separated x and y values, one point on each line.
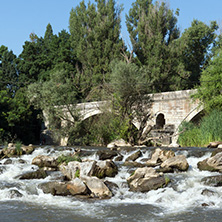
19	18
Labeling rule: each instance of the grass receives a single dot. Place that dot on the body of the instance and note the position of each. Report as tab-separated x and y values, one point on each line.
18	148
208	130
68	158
77	173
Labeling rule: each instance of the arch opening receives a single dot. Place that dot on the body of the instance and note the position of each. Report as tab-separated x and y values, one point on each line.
160	121
198	117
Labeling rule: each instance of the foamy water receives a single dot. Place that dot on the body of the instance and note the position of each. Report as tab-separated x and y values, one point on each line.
183	195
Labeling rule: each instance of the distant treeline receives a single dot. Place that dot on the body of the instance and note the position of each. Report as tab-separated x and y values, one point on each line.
80	64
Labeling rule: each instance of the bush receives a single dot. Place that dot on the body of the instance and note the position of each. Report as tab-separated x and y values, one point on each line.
99	130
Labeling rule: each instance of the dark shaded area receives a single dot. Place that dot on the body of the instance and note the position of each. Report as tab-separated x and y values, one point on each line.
160	121
198	117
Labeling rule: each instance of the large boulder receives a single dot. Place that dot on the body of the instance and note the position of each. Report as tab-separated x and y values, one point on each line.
146	179
38	174
216	151
45	161
14	194
214	144
9	151
118	143
145	172
55	188
176	163
100	169
159	156
105	168
106	154
27	149
97	187
134	156
77	169
77	187
214	163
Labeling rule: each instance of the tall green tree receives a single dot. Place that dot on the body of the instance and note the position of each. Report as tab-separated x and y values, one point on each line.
195	44
40	55
154	33
95	37
209	91
8	70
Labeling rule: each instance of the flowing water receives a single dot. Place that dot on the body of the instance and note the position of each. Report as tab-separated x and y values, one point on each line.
181	201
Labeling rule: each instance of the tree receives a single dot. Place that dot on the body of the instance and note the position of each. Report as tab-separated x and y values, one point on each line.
209	92
57	99
196	42
130	100
40	55
8	70
95	36
154	34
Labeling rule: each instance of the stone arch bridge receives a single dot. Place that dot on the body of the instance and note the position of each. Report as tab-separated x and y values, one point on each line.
168	111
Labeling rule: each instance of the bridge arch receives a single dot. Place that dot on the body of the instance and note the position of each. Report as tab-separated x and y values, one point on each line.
193	116
167	109
91	114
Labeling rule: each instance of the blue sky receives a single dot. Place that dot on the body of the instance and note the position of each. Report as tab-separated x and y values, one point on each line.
21	17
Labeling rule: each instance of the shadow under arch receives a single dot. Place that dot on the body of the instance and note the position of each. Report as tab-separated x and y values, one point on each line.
85	133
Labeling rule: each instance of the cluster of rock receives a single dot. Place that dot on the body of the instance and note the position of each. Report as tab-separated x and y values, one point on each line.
90	178
13	150
213	164
78	178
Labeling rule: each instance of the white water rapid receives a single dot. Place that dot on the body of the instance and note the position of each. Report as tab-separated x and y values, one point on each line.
183	196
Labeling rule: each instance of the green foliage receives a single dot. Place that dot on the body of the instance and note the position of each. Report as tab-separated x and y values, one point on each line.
195	44
99	130
153	33
210	129
85	65
57	98
127	94
68	158
130	98
40	55
95	36
191	135
167	180
209	92
8	70
18	148
77	173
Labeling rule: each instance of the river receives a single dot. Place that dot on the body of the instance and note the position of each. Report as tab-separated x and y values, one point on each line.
180	201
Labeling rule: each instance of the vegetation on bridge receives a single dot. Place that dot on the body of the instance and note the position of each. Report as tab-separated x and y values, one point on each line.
92	62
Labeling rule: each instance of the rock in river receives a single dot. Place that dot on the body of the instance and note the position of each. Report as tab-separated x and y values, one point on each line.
214	163
146	179
178	162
